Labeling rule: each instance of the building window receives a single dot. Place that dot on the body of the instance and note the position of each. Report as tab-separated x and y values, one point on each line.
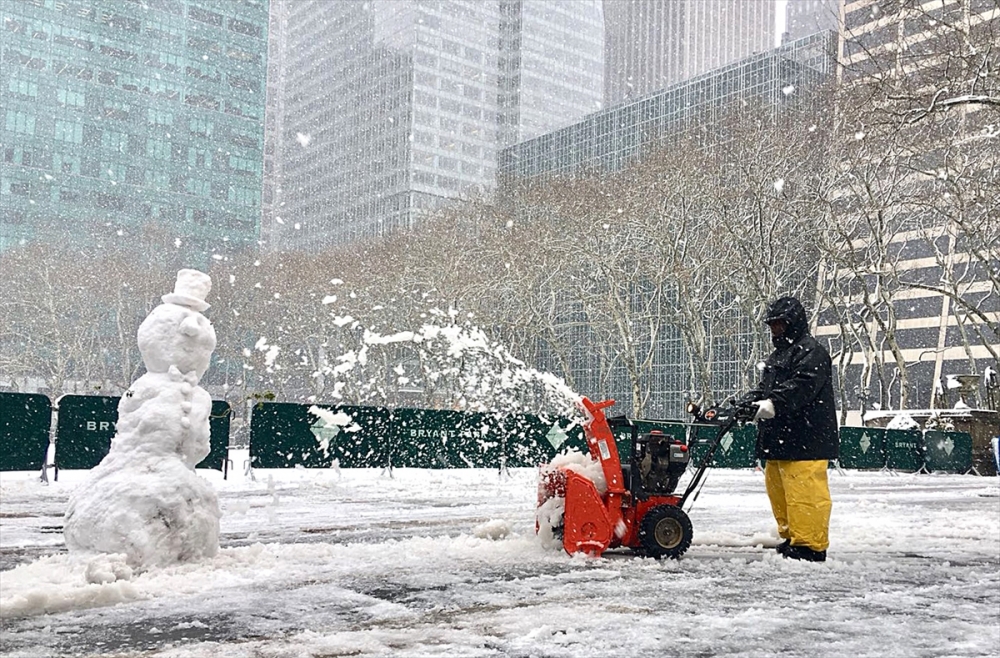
242	27
20	122
247	165
65	196
66	164
70	98
22	188
159	180
116	110
201	127
199	157
205	16
69	131
243	196
114	141
198	186
160	118
158	148
23	88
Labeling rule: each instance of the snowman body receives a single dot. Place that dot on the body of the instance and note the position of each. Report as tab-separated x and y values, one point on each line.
144	499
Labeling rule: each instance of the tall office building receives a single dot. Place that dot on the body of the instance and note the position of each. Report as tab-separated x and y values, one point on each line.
805	17
652	44
119	114
931	52
620	135
382	110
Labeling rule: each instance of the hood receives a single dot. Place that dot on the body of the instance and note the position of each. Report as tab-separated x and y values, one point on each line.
791	311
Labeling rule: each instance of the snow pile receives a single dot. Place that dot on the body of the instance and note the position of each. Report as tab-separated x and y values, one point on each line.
549	522
936	422
108	569
902	422
494	529
144	500
549	514
583	464
391	567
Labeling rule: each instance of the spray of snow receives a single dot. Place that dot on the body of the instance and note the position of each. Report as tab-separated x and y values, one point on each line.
337	422
270	352
480	374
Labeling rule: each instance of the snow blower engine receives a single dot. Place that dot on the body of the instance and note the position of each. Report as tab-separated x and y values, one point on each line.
632	505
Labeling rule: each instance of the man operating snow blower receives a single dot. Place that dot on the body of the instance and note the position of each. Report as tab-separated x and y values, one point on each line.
796	431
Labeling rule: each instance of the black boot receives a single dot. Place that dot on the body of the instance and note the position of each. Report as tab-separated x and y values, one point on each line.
804	553
782	548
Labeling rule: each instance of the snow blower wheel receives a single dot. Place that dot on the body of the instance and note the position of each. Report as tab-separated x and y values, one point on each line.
665	532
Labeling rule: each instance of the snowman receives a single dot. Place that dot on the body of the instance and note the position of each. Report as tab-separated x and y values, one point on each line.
144	501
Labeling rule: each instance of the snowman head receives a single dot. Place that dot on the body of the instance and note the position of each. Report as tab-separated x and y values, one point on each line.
174	335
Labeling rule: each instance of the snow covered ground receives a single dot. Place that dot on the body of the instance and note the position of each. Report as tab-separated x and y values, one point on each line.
322	563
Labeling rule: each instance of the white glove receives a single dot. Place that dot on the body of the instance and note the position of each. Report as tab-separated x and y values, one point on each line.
765	410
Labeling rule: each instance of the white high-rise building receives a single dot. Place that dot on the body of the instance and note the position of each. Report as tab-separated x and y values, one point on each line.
806	17
381	110
653	44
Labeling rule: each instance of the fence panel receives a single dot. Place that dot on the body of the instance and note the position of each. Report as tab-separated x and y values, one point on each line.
25	420
86	426
904	450
529	440
84	430
428	438
948	452
285	435
737	449
862	448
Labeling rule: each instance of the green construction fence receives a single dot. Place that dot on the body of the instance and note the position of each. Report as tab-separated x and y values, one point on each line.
286	435
875	448
86	425
25	419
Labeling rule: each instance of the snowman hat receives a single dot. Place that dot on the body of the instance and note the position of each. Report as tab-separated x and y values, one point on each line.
190	290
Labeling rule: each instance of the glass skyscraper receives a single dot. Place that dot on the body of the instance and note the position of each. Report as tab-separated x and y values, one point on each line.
618	136
653	44
383	110
117	115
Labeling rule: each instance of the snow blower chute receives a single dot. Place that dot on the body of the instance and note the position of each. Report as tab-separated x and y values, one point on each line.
632	505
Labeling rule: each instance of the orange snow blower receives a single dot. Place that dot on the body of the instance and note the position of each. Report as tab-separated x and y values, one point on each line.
639	508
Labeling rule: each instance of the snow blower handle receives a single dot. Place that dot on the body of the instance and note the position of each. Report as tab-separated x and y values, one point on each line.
726	418
744	410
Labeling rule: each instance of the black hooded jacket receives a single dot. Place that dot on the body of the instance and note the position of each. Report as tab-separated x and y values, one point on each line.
798	379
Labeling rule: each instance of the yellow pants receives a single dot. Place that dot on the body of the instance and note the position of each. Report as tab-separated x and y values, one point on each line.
800	500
